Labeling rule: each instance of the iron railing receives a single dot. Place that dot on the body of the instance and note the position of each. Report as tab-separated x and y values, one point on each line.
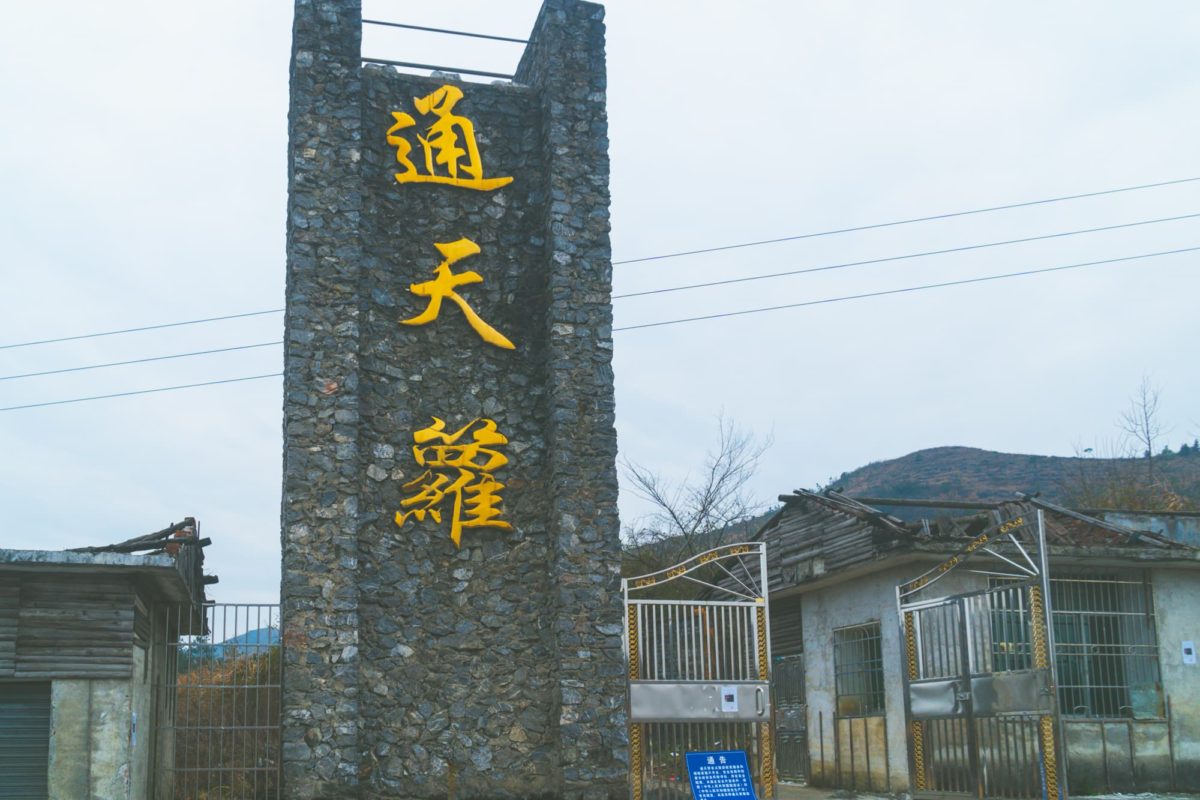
220	702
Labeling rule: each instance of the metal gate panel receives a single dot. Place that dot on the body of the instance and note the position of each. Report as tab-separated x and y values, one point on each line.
980	700
699	668
24	740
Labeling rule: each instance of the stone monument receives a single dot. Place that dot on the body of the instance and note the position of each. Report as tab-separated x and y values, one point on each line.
451	611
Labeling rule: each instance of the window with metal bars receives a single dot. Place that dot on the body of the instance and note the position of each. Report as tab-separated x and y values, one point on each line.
1106	644
858	670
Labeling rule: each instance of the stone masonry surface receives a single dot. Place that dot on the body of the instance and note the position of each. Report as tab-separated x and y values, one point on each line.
414	668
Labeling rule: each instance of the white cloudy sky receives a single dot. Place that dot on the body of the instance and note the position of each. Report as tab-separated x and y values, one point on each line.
143	180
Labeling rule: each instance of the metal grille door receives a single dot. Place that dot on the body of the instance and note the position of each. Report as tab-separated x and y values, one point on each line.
699	669
791	727
220	701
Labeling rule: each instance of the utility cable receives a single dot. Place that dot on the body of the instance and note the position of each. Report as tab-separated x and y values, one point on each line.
824	301
138	361
142	391
904	290
962	249
910	221
142	328
664	290
668	255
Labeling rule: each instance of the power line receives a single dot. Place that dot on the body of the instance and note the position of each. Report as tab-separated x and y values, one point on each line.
142	328
895	223
899	258
667	255
685	287
904	290
141	391
137	361
824	301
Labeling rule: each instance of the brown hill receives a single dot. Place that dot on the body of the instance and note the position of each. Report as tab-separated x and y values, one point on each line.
967	473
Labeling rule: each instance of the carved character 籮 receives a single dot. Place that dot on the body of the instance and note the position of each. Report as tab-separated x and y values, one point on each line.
451	152
457	471
443	287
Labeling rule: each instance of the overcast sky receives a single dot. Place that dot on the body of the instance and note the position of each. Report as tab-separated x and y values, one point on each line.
143	175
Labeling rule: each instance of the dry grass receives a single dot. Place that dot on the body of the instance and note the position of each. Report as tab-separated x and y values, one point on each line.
227	728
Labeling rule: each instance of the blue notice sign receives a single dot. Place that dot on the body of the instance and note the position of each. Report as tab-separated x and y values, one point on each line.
721	775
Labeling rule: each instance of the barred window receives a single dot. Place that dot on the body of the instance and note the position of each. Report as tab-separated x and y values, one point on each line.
858	670
1106	643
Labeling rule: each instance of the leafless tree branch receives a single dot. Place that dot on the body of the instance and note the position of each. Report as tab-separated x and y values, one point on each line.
692	515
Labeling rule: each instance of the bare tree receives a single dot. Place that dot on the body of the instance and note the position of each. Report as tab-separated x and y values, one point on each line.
1142	424
1111	474
695	514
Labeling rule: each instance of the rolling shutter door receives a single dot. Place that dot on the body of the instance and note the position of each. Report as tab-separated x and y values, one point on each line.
24	740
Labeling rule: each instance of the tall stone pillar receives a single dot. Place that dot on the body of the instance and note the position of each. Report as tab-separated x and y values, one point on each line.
321	460
450	579
564	61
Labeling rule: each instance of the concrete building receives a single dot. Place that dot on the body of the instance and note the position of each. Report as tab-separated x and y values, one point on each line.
85	641
1124	626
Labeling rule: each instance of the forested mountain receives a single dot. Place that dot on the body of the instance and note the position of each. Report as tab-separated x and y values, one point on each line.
1171	481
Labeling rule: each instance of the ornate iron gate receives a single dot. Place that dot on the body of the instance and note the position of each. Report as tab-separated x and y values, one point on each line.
980	700
699	669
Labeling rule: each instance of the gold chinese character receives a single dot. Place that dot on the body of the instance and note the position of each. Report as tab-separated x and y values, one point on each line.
449	145
458	470
442	288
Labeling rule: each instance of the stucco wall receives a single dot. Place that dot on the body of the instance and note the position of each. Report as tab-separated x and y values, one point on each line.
1176	607
91	750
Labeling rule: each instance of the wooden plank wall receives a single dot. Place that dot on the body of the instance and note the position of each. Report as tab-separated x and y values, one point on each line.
66	626
9	601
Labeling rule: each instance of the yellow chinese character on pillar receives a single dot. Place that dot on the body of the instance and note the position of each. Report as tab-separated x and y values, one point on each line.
459	471
449	145
442	288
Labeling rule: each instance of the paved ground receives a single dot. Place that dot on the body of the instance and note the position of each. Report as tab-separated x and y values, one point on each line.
791	791
786	791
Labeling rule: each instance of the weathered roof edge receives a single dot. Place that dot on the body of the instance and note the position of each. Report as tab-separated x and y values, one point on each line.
847	505
162	571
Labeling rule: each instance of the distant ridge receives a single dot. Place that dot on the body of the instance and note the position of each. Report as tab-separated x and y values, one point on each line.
971	474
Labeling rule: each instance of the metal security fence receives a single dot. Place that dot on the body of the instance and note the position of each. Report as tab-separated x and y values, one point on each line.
221	696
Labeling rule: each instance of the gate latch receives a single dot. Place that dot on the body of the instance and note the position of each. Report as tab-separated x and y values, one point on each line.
962	697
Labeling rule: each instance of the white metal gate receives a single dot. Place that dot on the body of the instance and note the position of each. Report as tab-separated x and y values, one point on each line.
980	684
697	647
